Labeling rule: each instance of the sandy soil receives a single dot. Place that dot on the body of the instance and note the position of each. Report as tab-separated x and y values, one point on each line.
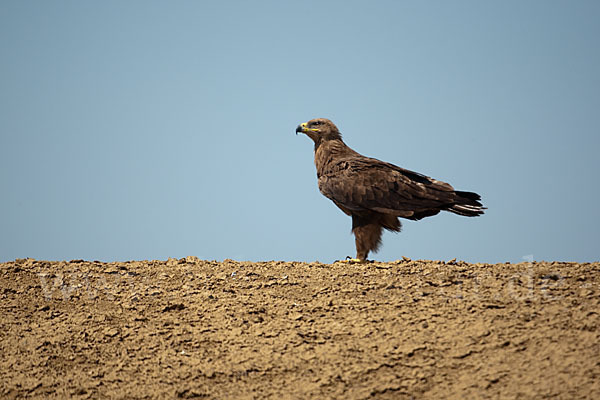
203	329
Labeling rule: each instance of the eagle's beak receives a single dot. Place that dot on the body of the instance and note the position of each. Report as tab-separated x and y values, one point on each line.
301	128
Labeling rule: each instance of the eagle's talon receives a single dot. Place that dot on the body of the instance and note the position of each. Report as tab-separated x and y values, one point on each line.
350	260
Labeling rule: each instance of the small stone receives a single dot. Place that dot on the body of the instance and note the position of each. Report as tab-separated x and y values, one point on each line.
111	332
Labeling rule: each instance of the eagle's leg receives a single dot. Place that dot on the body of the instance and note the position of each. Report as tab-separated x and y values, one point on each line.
367	234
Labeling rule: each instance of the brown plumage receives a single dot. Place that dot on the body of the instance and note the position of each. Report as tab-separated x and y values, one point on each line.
375	193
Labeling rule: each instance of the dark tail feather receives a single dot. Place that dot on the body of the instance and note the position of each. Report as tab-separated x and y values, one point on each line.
467	204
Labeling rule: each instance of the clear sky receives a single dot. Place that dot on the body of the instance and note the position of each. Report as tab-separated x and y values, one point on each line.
148	130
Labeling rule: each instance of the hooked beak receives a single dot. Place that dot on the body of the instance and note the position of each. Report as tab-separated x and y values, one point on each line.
303	128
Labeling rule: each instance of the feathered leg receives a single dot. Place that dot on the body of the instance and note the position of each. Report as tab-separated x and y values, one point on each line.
367	234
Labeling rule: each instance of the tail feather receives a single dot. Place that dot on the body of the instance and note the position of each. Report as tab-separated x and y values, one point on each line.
467	204
468	195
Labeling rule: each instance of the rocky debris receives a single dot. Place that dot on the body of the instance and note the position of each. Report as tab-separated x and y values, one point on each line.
191	328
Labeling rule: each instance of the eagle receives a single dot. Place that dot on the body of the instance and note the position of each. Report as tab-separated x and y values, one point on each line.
376	193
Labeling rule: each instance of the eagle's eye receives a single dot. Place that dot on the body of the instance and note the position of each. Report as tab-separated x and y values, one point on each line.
317	123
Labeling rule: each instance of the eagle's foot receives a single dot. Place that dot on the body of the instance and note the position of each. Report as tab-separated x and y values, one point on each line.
350	260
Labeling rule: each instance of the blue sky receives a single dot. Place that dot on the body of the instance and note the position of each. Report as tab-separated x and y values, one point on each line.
147	130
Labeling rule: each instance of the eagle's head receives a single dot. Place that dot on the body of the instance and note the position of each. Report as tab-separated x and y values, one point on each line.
319	129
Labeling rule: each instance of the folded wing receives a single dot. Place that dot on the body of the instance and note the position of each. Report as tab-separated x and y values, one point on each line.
362	183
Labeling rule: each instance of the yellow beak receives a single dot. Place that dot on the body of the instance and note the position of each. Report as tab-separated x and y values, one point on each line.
303	127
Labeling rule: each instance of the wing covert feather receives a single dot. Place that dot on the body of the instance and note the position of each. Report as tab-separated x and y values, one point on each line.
370	184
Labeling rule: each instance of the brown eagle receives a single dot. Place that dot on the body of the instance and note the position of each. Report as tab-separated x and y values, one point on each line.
375	193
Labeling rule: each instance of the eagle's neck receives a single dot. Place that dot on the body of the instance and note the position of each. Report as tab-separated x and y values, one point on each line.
330	151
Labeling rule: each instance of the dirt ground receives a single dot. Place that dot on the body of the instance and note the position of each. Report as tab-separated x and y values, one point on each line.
204	329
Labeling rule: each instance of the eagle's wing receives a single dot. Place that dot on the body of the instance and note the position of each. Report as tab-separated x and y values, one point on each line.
360	184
